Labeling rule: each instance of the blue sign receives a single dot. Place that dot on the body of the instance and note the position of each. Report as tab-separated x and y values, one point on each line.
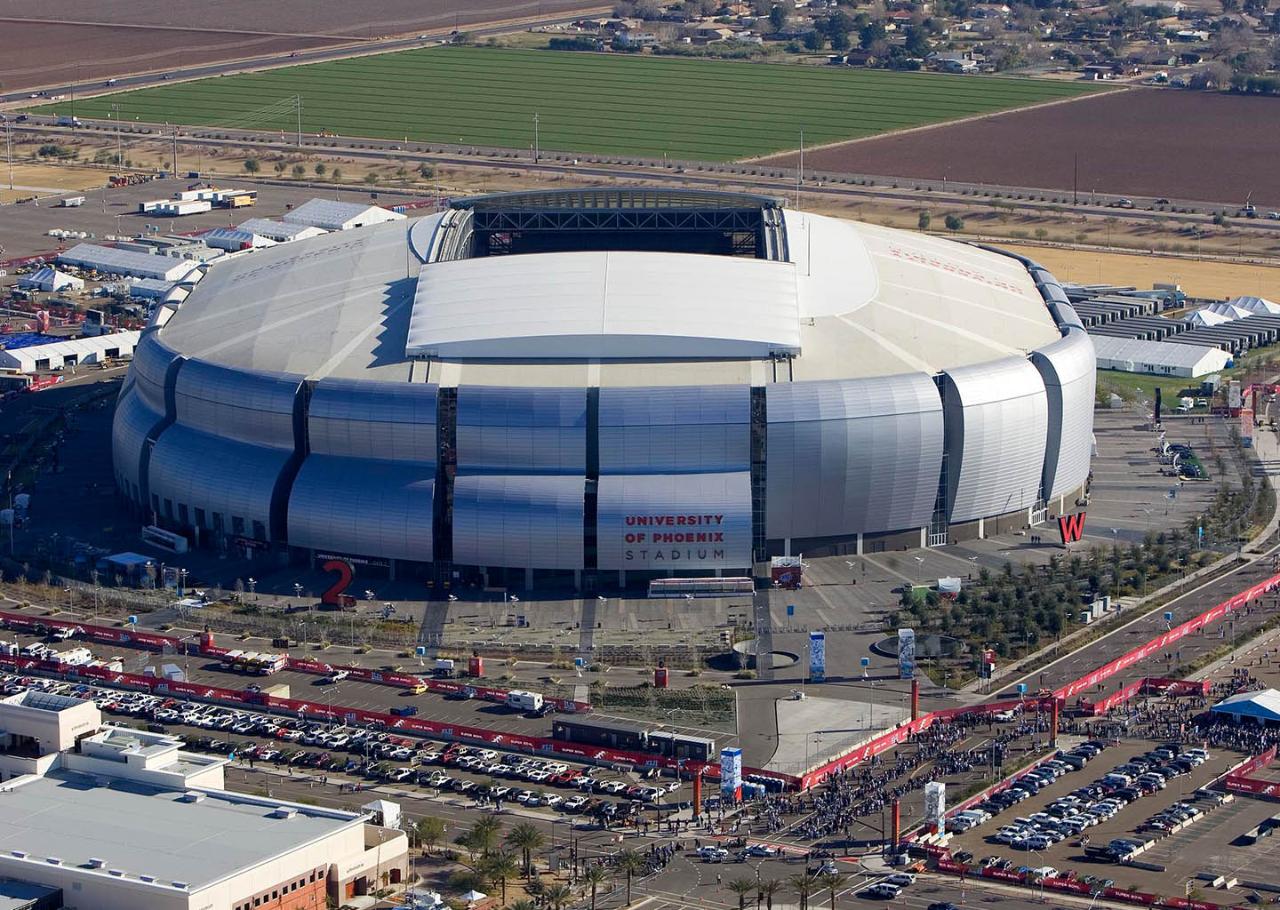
420	651
906	653
1022	689
730	773
791	609
817	656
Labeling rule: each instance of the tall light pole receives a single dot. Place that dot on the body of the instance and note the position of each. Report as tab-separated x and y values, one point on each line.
115	113
535	137
8	147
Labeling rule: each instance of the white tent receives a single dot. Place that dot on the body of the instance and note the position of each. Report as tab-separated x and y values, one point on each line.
1258	305
1228	310
1205	318
1263	706
472	896
50	279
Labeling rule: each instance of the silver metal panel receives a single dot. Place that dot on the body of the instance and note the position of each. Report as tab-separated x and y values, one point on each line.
682	522
151	359
525	431
852	457
518	521
1069	370
997	422
356	506
235	404
208	472
682	430
133	421
381	420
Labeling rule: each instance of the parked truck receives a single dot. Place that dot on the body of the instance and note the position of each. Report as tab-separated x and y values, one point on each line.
524	701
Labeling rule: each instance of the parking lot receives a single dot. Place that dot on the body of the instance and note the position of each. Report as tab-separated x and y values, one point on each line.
364	757
1114	811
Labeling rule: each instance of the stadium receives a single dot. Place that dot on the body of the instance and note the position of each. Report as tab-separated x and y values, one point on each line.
599	387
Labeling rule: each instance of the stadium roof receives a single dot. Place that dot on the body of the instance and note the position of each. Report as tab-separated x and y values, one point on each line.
143	830
606	305
1263	705
855	300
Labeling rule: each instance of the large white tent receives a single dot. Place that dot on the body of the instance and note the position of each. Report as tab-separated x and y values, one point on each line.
1262	706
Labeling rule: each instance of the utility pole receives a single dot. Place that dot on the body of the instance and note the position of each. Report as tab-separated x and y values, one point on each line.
1075	179
8	149
115	108
535	137
175	148
297	100
800	170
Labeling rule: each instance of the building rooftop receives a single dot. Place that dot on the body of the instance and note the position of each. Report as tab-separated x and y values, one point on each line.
184	840
16	895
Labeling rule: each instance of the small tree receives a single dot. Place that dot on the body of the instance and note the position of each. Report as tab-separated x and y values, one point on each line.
630	863
320	169
557	896
299	172
252	166
430	830
280	167
924	221
336	175
371	178
954	223
426	171
500	867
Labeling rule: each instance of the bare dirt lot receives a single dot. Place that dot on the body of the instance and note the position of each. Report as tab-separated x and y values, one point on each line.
1142	142
95	40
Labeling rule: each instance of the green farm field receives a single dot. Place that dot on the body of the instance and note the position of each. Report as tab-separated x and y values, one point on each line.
588	103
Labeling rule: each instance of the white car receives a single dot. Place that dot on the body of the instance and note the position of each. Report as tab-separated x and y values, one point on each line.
901	879
882	891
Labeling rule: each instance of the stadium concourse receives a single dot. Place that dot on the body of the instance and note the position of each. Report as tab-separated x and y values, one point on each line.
590	388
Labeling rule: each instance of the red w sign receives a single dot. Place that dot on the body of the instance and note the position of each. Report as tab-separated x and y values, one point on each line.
1071	527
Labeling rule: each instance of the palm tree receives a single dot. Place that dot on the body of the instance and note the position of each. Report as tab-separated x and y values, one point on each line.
557	896
484	833
523	904
833	882
526	838
595	876
802	885
741	887
499	867
770	887
629	863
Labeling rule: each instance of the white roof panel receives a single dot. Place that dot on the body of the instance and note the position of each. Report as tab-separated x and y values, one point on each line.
335	216
611	305
1165	353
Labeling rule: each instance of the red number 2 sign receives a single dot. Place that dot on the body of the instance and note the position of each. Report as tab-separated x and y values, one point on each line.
335	591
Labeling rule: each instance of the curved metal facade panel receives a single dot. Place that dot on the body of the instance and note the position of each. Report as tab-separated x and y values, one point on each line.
133	420
682	522
251	407
1069	370
150	365
997	422
519	521
362	507
218	476
379	420
522	431
852	456
687	429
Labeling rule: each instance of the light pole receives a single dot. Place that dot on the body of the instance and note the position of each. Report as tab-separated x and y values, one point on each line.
535	137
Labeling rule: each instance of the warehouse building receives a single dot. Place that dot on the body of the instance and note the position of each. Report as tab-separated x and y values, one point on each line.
332	215
108	260
120	819
590	388
1160	358
233	240
58	355
280	231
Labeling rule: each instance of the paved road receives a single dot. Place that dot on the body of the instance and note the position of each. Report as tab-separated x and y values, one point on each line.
780	181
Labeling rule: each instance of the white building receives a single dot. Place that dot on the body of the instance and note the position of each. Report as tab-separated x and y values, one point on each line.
120	819
49	279
340	216
1258	306
57	355
280	231
112	261
1161	358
